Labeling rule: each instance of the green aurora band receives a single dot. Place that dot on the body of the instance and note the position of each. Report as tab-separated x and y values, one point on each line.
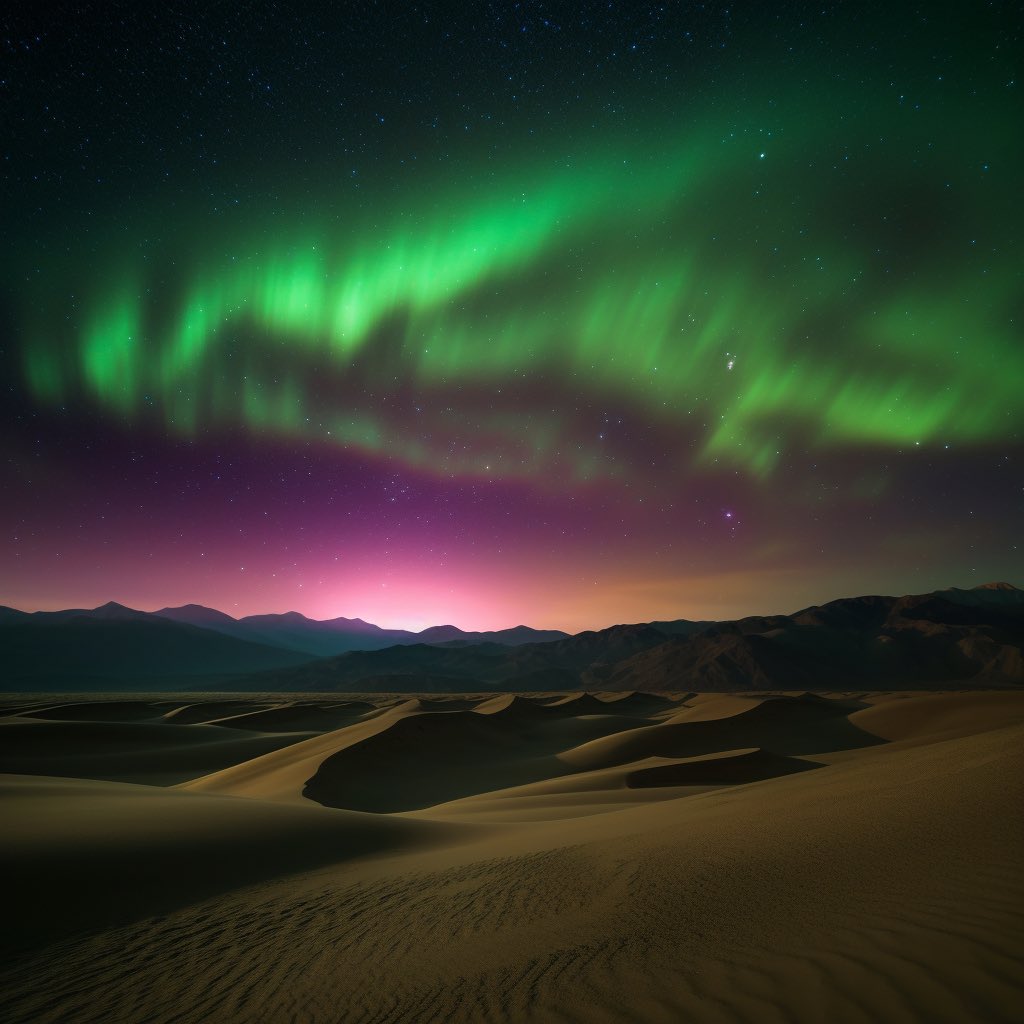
769	279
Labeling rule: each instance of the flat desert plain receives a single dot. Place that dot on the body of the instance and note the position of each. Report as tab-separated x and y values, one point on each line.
552	857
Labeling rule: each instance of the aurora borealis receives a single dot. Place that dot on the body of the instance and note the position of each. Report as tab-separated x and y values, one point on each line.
640	313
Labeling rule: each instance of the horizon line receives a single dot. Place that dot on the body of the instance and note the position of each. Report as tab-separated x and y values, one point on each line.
991	585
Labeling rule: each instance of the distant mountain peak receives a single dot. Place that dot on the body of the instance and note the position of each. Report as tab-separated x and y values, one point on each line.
192	607
113	610
995	586
446	628
280	617
197	614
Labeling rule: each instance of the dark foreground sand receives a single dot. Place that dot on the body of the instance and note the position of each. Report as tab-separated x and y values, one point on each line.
781	858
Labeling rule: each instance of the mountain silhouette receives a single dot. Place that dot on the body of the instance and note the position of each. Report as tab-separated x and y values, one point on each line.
949	638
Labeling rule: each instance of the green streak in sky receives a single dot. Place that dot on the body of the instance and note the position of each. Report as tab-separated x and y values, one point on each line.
758	285
113	353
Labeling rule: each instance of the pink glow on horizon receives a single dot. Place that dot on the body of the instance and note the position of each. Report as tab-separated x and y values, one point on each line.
472	598
567	565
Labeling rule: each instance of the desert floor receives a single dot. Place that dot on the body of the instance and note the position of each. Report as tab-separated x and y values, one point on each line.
558	857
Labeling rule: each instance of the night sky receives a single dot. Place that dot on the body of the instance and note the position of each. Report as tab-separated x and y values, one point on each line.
511	312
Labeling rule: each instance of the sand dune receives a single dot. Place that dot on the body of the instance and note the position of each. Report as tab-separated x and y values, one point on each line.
707	707
720	769
99	711
773	857
581	704
633	702
293	717
152	752
131	844
425	759
785	725
511	705
929	717
204	712
283	774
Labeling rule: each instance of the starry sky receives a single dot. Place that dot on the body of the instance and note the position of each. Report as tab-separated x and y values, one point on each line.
488	313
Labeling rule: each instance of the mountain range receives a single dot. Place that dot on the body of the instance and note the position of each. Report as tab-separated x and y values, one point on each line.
324	637
191	646
949	638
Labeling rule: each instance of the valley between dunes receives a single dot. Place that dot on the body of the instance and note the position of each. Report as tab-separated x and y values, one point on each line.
850	857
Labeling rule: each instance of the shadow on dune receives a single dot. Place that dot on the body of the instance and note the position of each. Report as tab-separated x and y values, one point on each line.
204	712
93	855
427	758
728	769
100	711
636	703
297	717
154	752
430	758
784	725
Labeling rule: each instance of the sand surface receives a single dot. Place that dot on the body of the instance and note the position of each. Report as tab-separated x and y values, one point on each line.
554	857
